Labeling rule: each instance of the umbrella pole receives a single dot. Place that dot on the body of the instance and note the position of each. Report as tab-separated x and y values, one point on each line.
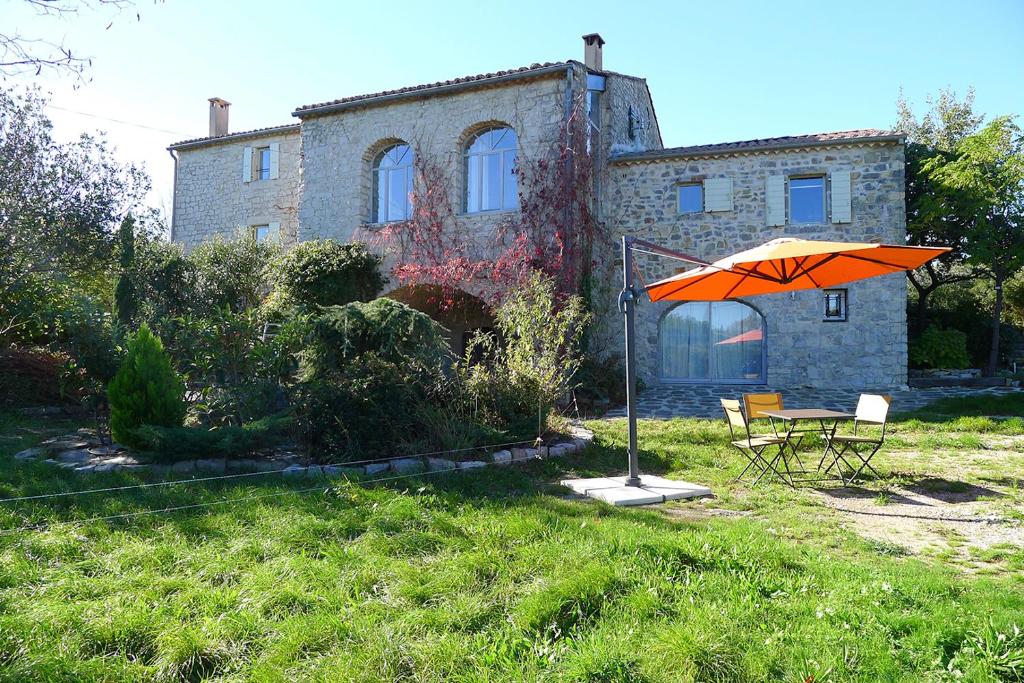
627	304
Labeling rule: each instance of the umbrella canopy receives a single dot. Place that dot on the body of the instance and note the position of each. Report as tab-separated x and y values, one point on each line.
788	264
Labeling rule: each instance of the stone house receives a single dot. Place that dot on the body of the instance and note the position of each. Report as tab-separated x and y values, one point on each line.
345	170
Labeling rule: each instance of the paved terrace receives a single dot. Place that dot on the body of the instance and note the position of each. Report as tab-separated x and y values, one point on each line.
702	400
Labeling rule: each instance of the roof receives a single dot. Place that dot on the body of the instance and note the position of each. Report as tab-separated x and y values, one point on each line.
256	132
843	137
427	89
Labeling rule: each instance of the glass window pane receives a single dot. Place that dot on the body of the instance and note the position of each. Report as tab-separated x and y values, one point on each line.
691	198
397	199
510	187
262	232
715	342
380	212
684	341
491	182
736	337
504	138
473	165
807	200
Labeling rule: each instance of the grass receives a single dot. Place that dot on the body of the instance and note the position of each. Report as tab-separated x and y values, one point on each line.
497	576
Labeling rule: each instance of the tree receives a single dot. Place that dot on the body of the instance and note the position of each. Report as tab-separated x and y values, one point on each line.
146	390
126	302
931	220
59	203
984	181
20	54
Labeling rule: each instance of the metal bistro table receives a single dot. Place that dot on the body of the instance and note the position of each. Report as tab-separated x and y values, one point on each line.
823	418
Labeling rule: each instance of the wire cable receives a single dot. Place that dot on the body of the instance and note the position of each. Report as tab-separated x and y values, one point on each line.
172	482
118	121
193	506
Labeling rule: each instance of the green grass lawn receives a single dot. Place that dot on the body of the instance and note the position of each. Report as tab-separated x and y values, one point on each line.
499	575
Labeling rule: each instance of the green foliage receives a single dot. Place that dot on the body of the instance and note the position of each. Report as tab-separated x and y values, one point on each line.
360	410
232	274
536	355
393	331
939	348
326	273
145	390
165	279
126	303
169	444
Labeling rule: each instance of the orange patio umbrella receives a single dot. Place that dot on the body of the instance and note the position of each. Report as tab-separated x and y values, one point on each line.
788	264
782	265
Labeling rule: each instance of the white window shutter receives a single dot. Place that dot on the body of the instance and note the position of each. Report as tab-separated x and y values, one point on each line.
775	200
247	164
274	231
718	194
275	154
842	211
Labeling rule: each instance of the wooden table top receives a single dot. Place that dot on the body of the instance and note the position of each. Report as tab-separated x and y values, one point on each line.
806	414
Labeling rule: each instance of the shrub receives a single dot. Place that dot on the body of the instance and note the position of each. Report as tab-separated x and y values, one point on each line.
126	303
232	274
393	331
35	376
362	410
165	279
145	390
169	444
939	348
326	273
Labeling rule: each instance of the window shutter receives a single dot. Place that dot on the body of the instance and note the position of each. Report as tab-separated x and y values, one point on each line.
775	200
841	197
247	164
718	194
274	231
275	153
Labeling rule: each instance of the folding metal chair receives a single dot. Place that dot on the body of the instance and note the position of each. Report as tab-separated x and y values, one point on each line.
754	406
872	409
753	447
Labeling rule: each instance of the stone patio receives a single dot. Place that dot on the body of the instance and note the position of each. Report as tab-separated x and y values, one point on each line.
702	400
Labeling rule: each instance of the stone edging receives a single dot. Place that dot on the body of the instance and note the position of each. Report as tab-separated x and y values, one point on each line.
71	452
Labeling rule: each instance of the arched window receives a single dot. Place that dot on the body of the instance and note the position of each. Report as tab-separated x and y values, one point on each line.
712	341
392	184
490	178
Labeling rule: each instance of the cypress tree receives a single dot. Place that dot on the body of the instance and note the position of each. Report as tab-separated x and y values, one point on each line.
126	303
145	390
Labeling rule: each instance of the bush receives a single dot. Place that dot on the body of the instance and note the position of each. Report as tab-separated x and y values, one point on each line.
363	410
145	390
169	444
326	273
396	333
939	348
232	274
36	376
165	279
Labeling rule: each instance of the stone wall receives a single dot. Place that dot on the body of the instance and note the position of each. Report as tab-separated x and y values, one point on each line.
211	200
870	350
338	149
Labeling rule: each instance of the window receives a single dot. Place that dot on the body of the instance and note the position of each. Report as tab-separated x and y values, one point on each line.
712	341
691	198
491	171
261	163
835	305
261	232
807	200
392	184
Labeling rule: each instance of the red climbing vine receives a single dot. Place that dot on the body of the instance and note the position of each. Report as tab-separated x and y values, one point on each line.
553	231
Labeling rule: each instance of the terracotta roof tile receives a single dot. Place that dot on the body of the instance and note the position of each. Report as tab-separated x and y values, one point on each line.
256	132
413	89
788	141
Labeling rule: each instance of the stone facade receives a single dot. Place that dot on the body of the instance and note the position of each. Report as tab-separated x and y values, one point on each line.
869	349
211	200
324	189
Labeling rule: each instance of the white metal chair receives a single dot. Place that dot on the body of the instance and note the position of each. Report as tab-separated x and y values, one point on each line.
873	410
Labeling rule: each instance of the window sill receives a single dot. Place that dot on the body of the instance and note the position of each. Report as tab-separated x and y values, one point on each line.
492	212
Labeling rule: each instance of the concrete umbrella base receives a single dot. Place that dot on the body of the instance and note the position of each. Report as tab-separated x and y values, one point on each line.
613	490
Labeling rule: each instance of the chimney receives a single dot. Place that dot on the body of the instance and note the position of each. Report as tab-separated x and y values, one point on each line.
218	117
592	49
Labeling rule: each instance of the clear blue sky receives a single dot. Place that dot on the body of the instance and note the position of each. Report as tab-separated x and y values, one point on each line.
719	71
